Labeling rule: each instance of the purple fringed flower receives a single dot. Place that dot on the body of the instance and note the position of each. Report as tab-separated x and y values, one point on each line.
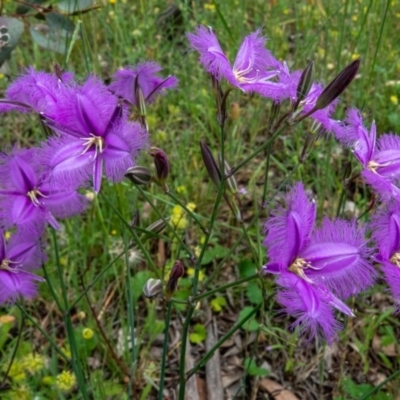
315	268
35	90
254	66
385	227
379	158
18	258
93	133
126	81
27	199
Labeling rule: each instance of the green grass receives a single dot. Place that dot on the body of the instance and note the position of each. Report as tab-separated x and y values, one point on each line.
332	33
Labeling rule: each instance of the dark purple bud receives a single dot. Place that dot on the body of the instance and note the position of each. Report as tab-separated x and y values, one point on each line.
177	271
161	163
210	164
152	288
338	85
138	175
305	83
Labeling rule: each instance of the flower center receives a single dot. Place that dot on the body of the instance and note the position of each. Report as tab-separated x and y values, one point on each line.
240	75
93	140
34	196
395	259
298	267
5	266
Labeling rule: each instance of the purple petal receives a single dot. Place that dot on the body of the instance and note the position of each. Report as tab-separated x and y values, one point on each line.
385	189
289	229
338	257
25	251
16	284
385	225
97	173
392	277
272	268
211	55
388	156
309	305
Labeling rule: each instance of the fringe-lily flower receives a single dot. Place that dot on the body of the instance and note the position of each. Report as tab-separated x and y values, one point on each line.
253	70
315	268
93	133
380	158
126	82
27	199
18	258
385	227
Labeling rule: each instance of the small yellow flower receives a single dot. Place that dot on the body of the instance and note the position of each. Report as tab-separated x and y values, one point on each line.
181	189
112	1
90	195
64	261
190	273
394	99
191	206
197	251
354	56
2	76
354	18
87	333
136	33
7	235
114	232
19	393
66	351
16	372
33	363
330	66
210	7
65	381
111	14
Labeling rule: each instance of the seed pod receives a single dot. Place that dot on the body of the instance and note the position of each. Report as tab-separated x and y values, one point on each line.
152	288
231	184
156	227
138	175
161	163
211	165
177	271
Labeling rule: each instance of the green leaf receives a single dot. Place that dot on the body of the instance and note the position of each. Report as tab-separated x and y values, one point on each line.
199	334
354	390
10	32
218	303
254	292
76	6
253	369
137	283
214	253
59	22
52	40
246	268
251	325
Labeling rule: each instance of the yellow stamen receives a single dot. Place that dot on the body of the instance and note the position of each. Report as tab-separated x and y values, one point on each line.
33	195
298	267
97	141
395	259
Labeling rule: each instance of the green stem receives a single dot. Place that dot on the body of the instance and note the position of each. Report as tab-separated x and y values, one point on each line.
75	359
258	151
165	351
376	388
49	338
169	226
197	298
176	199
266	173
228	334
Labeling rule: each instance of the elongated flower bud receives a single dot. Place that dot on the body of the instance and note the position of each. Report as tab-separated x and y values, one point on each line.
138	175
338	85
305	83
156	227
177	271
161	163
152	288
210	164
231	184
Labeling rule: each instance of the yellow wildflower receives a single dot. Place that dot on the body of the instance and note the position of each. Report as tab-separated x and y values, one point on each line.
87	333
33	363
16	372
191	206
190	272
181	189
209	6
65	381
112	1
394	99
354	56
114	232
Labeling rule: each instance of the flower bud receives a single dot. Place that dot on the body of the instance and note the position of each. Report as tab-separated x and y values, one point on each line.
177	271
138	175
231	184
152	288
139	98
338	85
210	164
305	83
161	163
156	227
